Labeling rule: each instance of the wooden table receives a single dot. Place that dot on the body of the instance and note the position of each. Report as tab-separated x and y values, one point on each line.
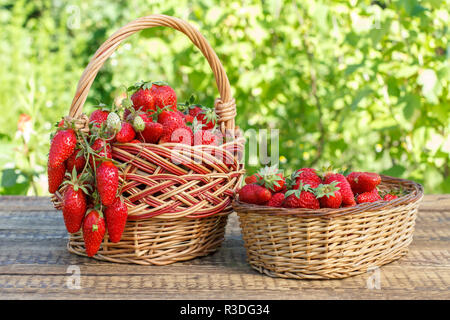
34	264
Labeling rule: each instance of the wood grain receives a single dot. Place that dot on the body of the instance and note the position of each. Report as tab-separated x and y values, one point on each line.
34	262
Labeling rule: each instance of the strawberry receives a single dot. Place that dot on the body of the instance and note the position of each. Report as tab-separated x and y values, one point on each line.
164	95
194	110
113	122
361	182
255	194
329	195
93	231
206	116
206	137
169	115
116	217
139	122
74	207
173	132
102	149
62	146
126	133
303	197
305	176
348	198
76	160
98	117
107	182
55	177
252	179
181	135
276	200
150	131
188	118
390	197
142	98
271	178
370	196
135	141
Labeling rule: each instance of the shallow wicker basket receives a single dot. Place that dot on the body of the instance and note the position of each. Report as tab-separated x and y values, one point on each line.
330	243
178	196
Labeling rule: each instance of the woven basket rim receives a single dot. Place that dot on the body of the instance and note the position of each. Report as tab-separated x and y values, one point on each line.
415	194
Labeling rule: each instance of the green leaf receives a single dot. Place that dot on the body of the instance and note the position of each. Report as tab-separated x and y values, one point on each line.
395	171
9	177
361	94
412	104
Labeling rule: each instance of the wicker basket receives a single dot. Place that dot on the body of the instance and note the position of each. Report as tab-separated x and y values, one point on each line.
330	243
178	198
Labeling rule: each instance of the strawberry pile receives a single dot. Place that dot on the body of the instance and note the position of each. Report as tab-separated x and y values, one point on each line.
312	189
80	163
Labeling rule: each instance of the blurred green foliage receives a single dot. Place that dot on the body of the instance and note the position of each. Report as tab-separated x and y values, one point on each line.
361	84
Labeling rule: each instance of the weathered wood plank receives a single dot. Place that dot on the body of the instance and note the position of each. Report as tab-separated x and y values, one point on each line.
34	261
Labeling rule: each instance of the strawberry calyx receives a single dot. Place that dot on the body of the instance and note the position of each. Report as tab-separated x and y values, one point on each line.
297	192
327	190
188	104
77	181
196	126
270	177
140	85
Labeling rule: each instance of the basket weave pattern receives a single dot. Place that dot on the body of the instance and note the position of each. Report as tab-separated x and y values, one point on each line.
178	196
330	243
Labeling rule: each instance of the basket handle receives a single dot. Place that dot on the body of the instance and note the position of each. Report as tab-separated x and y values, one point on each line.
225	105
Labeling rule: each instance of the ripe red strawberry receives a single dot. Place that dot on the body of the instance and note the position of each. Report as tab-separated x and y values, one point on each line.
361	182
147	130
181	135
206	137
143	98
390	197
276	200
116	217
306	176
126	133
55	177
102	149
76	160
188	118
74	207
303	197
348	198
271	178
107	182
370	196
255	194
169	115
98	117
329	195
252	179
93	232
135	141
164	95
62	146
206	116
195	110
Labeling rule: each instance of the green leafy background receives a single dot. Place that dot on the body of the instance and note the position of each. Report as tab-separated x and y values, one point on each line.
360	84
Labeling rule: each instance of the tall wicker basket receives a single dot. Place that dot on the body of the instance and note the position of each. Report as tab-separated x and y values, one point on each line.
178	198
330	243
